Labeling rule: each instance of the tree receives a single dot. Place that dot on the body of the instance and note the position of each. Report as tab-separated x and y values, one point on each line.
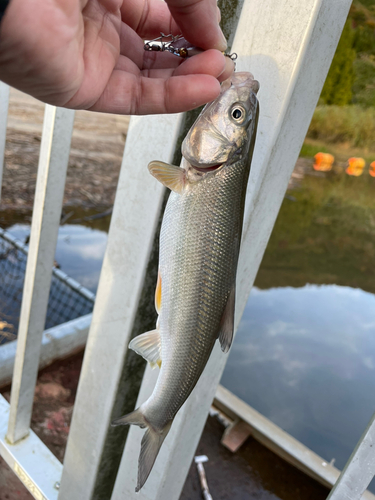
338	85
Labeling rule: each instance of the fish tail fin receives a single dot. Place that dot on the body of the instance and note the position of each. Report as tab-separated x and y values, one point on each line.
150	445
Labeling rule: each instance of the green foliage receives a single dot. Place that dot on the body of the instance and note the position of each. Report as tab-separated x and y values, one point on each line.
353	125
364	83
310	150
338	85
364	39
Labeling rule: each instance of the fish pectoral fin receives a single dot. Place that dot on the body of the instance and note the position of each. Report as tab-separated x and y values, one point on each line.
170	176
148	345
227	322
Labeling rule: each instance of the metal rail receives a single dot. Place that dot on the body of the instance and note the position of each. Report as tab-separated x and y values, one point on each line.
282	443
288	45
57	343
53	162
359	470
4	103
31	460
135	216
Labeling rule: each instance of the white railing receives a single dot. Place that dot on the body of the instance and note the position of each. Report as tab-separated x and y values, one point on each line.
4	102
288	45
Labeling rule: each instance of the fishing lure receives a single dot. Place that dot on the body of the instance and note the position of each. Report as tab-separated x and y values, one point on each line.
177	45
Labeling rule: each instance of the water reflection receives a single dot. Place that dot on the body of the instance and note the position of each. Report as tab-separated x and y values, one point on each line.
79	252
305	358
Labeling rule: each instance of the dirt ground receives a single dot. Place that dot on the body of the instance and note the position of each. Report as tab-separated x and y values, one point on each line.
95	159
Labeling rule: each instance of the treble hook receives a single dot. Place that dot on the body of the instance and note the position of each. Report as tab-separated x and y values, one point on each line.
178	46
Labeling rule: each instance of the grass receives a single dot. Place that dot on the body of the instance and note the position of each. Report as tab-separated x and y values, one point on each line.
350	124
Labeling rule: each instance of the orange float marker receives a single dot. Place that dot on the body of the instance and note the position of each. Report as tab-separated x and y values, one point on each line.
323	162
372	169
355	166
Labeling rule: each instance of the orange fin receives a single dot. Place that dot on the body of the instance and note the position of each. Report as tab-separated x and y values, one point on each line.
158	294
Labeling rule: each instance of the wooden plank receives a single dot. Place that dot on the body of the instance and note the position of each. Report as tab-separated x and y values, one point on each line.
288	45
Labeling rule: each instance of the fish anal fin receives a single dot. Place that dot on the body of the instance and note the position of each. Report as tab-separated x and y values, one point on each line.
158	294
170	176
227	322
148	345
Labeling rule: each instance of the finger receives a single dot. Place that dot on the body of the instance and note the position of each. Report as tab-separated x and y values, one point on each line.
132	47
148	18
210	62
129	94
228	70
198	22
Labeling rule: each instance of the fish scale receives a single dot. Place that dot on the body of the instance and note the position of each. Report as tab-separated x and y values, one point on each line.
199	246
196	305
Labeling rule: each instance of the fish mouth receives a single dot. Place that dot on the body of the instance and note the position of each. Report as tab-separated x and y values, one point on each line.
207	169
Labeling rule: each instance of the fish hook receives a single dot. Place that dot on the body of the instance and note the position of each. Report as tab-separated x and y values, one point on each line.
178	46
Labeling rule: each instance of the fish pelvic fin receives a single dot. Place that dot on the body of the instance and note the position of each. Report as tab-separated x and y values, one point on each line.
148	345
150	447
227	322
170	176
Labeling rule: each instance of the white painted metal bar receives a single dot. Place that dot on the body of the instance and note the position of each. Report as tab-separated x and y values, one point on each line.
53	162
288	45
4	103
57	343
280	442
31	460
135	216
359	470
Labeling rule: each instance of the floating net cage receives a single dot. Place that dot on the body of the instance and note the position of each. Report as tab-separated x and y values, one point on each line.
67	299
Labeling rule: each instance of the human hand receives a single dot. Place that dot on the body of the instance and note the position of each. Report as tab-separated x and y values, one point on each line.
88	54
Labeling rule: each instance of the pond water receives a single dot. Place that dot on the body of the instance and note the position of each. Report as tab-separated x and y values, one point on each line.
304	355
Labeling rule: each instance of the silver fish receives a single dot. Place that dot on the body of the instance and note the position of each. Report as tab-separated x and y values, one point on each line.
199	245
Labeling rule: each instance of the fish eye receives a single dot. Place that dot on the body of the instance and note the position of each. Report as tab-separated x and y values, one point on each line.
238	114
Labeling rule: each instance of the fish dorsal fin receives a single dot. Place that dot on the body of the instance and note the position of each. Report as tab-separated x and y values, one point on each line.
227	322
158	294
148	345
170	176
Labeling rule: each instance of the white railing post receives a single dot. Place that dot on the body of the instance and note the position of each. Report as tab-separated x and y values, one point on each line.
135	216
53	163
288	45
4	103
359	470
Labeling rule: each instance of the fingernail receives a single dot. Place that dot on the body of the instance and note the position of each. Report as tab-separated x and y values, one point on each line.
218	12
223	41
229	66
